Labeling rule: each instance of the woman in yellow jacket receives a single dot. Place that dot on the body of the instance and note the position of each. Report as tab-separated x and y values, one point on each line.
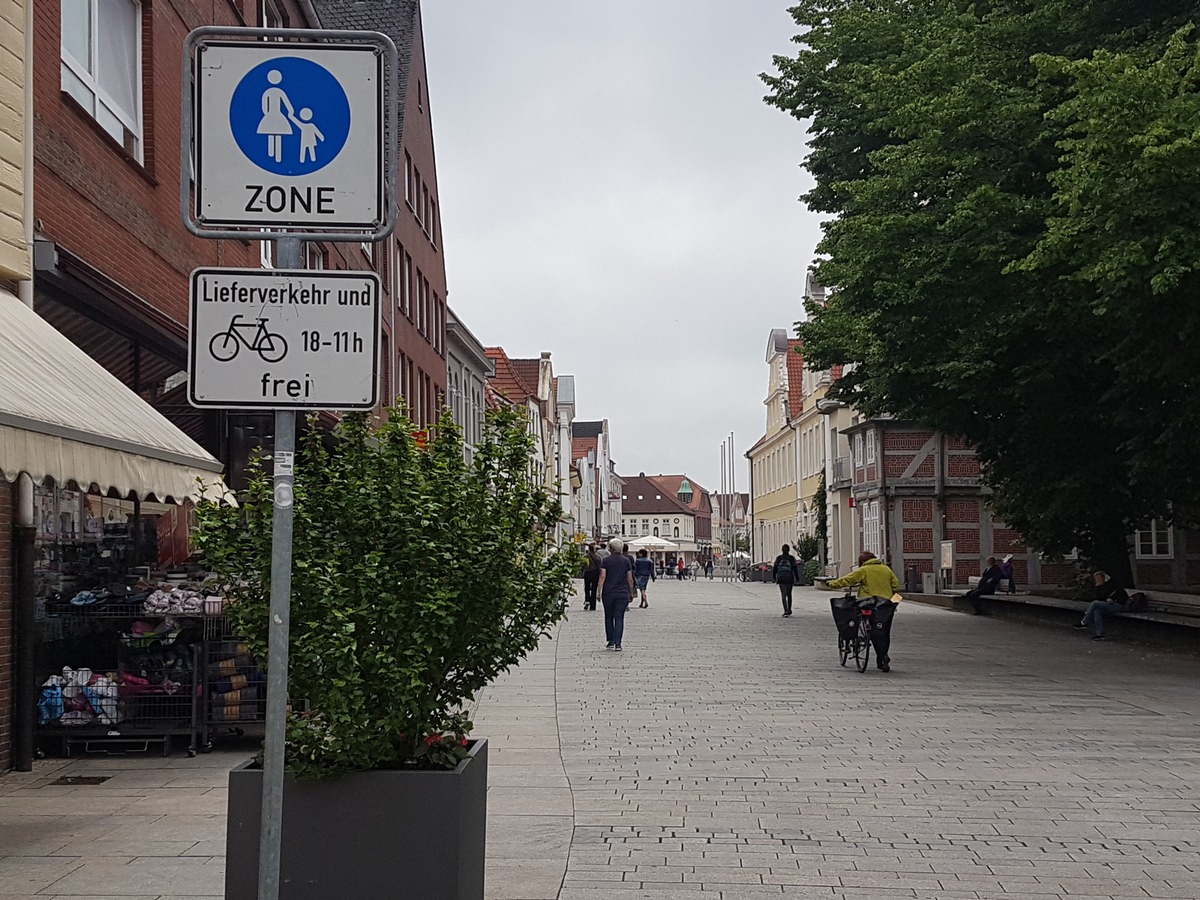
879	581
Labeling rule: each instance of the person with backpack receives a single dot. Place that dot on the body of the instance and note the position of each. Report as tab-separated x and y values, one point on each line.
786	573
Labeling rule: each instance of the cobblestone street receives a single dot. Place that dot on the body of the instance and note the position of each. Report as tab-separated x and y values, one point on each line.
726	751
725	754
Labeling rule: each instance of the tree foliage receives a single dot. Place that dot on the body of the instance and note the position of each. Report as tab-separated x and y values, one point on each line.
1011	193
417	580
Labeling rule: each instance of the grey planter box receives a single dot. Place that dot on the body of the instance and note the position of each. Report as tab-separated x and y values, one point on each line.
384	835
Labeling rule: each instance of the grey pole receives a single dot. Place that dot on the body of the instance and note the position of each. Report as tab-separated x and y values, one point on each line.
277	648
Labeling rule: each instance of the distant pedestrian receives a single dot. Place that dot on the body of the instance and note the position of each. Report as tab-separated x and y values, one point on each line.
785	574
591	577
643	574
679	570
708	568
616	590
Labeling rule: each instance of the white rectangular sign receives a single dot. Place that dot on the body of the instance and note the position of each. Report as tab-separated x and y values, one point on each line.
289	135
284	339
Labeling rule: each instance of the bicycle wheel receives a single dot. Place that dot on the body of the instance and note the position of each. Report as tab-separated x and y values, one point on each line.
272	348
223	347
862	644
843	648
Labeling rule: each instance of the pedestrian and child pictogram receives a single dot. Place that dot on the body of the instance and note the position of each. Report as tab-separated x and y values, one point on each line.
288	137
290	116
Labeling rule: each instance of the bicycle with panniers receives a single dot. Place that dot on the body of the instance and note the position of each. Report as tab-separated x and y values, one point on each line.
854	618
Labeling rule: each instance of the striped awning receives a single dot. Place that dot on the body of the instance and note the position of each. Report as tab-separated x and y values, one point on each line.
63	416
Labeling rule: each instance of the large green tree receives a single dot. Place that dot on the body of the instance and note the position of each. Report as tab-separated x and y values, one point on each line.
1002	274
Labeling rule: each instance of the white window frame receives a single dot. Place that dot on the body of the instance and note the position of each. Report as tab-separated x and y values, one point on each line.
100	98
870	447
871	537
266	254
858	449
314	256
1158	531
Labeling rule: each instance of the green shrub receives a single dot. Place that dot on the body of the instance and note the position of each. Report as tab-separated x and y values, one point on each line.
807	547
812	568
417	579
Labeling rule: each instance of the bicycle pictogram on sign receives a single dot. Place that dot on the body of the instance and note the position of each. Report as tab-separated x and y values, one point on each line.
225	345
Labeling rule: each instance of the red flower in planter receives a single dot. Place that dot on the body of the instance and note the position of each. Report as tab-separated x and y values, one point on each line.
432	739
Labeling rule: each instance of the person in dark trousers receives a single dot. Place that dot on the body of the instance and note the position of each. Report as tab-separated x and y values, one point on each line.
785	574
1108	599
643	574
591	577
616	590
877	582
989	583
708	568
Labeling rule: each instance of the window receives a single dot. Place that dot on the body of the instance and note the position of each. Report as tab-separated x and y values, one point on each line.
408	179
858	449
1156	541
272	17
368	250
386	397
676	531
266	254
102	65
645	526
870	527
314	256
656	532
410	279
870	446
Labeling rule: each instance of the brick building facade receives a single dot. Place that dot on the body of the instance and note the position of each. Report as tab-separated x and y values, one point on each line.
914	488
113	257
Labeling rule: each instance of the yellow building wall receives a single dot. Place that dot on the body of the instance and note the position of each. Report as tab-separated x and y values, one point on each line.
14	256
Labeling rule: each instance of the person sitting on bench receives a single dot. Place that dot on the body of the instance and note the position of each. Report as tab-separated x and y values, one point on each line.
989	583
1109	598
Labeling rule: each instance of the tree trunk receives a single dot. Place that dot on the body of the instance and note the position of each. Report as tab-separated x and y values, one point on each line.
1111	553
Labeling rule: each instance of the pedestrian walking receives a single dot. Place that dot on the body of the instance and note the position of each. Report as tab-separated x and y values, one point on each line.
679	570
875	580
785	573
708	568
643	574
616	589
591	577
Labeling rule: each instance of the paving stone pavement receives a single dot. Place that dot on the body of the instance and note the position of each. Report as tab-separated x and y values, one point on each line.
725	754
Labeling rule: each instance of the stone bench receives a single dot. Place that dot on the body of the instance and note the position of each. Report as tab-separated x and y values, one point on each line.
1178	630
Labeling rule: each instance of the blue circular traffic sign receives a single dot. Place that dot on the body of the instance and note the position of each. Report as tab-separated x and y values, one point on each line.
290	116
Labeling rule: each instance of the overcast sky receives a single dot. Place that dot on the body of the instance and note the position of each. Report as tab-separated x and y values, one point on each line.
614	190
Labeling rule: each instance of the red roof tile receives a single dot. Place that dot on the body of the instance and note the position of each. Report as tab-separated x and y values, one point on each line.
529	371
507	381
795	372
581	445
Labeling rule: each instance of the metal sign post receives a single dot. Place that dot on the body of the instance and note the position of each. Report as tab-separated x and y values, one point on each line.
288	135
